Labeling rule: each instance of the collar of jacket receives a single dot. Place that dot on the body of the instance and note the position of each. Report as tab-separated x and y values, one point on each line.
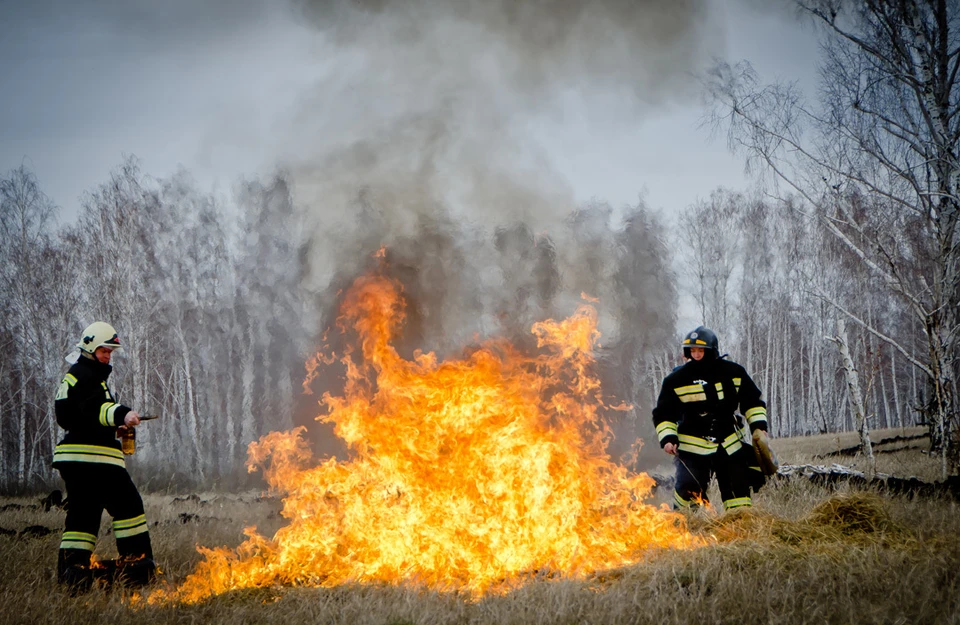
706	363
700	365
95	366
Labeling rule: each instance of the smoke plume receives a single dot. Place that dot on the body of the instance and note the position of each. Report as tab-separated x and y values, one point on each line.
420	139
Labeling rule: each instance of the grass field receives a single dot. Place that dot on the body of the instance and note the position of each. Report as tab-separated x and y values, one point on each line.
803	554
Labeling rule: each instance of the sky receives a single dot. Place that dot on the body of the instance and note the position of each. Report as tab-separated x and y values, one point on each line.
589	99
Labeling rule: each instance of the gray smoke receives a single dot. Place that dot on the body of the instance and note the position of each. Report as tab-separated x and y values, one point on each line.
429	114
422	138
435	103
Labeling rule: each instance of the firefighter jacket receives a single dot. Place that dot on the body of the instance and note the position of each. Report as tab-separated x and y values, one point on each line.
698	403
87	410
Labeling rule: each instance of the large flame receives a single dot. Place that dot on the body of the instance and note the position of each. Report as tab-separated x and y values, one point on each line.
470	474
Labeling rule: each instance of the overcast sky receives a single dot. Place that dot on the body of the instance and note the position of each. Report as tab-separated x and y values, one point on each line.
601	100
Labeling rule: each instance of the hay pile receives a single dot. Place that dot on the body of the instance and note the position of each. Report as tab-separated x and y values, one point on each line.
847	517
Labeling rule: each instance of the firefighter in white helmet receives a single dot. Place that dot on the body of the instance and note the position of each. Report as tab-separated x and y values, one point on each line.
91	463
696	422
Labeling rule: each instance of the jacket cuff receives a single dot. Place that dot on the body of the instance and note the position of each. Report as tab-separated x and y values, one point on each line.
757	418
112	414
120	414
667	432
669	439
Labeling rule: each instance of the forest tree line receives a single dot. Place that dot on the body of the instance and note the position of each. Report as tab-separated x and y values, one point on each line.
217	324
853	246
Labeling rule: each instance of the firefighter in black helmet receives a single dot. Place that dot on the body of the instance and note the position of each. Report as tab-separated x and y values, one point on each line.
90	461
696	422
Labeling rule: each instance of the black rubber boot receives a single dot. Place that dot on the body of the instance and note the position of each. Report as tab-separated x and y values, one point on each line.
73	574
105	573
77	579
136	573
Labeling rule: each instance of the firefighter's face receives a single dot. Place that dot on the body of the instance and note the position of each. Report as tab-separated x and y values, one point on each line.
696	353
103	355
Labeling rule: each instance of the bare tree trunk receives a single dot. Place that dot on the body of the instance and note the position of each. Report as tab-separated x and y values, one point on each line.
23	417
780	375
787	404
856	396
913	385
814	357
248	431
233	389
942	401
769	380
883	395
896	386
229	442
3	410
802	393
22	433
190	400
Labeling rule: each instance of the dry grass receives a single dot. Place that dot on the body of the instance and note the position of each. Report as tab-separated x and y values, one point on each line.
801	555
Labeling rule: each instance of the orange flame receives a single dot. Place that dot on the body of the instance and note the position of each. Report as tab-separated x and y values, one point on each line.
469	474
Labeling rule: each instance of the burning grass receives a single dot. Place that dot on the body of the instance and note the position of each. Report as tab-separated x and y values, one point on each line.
803	555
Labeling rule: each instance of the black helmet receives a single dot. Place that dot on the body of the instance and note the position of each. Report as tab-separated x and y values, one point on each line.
702	337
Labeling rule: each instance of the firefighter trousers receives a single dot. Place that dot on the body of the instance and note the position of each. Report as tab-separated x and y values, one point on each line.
694	472
91	489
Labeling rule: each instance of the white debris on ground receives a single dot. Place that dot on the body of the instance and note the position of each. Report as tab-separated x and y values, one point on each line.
808	470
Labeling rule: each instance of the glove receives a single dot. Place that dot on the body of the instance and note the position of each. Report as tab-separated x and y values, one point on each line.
766	459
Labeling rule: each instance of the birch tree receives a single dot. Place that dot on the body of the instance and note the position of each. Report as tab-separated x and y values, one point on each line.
710	235
194	269
857	405
115	236
885	137
37	297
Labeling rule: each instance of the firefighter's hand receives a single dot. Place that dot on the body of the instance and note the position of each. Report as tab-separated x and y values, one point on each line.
132	418
759	435
670	448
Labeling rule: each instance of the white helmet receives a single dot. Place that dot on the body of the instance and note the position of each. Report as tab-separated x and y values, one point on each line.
99	334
